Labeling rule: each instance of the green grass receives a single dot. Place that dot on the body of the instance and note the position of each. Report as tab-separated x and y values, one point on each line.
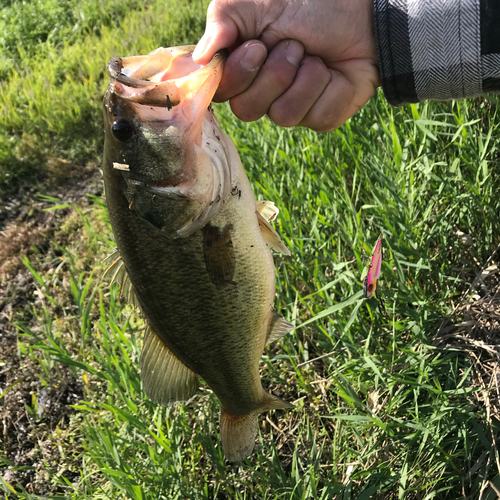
384	413
52	95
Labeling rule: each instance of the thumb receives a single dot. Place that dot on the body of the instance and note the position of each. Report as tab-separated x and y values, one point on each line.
221	32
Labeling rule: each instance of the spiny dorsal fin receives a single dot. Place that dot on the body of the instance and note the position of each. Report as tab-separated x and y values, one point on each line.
267	209
118	272
164	378
279	327
270	236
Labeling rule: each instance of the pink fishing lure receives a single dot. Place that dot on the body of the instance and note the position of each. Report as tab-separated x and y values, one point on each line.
375	266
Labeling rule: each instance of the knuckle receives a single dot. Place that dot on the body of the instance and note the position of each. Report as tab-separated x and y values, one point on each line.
335	114
216	10
324	129
279	72
348	90
334	107
212	10
282	115
220	97
244	110
330	120
315	64
225	92
281	79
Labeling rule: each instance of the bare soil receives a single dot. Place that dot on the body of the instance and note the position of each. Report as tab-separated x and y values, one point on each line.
35	414
474	328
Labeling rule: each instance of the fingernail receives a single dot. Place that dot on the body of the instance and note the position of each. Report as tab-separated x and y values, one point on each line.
253	57
202	46
294	52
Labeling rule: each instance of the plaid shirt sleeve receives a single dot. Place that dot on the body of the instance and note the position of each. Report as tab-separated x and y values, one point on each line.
437	49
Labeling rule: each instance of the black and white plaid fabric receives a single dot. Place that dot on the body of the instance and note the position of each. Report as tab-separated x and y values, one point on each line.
437	49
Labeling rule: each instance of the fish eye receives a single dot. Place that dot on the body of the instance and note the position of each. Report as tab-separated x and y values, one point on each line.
122	130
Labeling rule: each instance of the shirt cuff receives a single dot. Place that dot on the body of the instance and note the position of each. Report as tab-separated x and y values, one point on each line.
431	49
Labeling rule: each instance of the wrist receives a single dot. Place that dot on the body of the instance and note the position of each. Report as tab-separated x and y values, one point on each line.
367	8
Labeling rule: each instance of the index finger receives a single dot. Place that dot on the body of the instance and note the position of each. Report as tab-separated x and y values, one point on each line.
221	32
240	69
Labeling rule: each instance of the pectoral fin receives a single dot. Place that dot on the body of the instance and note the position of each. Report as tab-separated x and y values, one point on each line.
267	209
279	327
165	379
220	260
118	272
270	236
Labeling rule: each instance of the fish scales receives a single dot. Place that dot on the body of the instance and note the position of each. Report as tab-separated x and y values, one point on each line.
193	241
191	302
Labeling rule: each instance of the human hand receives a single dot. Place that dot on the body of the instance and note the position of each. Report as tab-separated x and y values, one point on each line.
311	63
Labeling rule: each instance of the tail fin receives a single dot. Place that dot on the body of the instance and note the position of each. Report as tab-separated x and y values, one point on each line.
238	432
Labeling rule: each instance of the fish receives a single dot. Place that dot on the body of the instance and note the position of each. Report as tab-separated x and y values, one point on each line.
193	244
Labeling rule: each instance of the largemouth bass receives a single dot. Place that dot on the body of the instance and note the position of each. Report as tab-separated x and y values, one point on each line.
192	242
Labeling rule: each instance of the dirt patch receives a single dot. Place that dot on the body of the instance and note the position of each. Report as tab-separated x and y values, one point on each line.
474	328
36	419
25	224
37	440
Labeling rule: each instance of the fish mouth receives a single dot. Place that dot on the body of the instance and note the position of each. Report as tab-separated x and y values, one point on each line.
163	77
170	151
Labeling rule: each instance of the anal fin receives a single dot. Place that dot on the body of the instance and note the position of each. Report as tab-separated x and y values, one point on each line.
279	326
165	379
238	432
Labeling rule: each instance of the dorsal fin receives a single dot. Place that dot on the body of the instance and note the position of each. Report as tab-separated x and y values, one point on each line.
164	377
279	326
270	236
118	272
